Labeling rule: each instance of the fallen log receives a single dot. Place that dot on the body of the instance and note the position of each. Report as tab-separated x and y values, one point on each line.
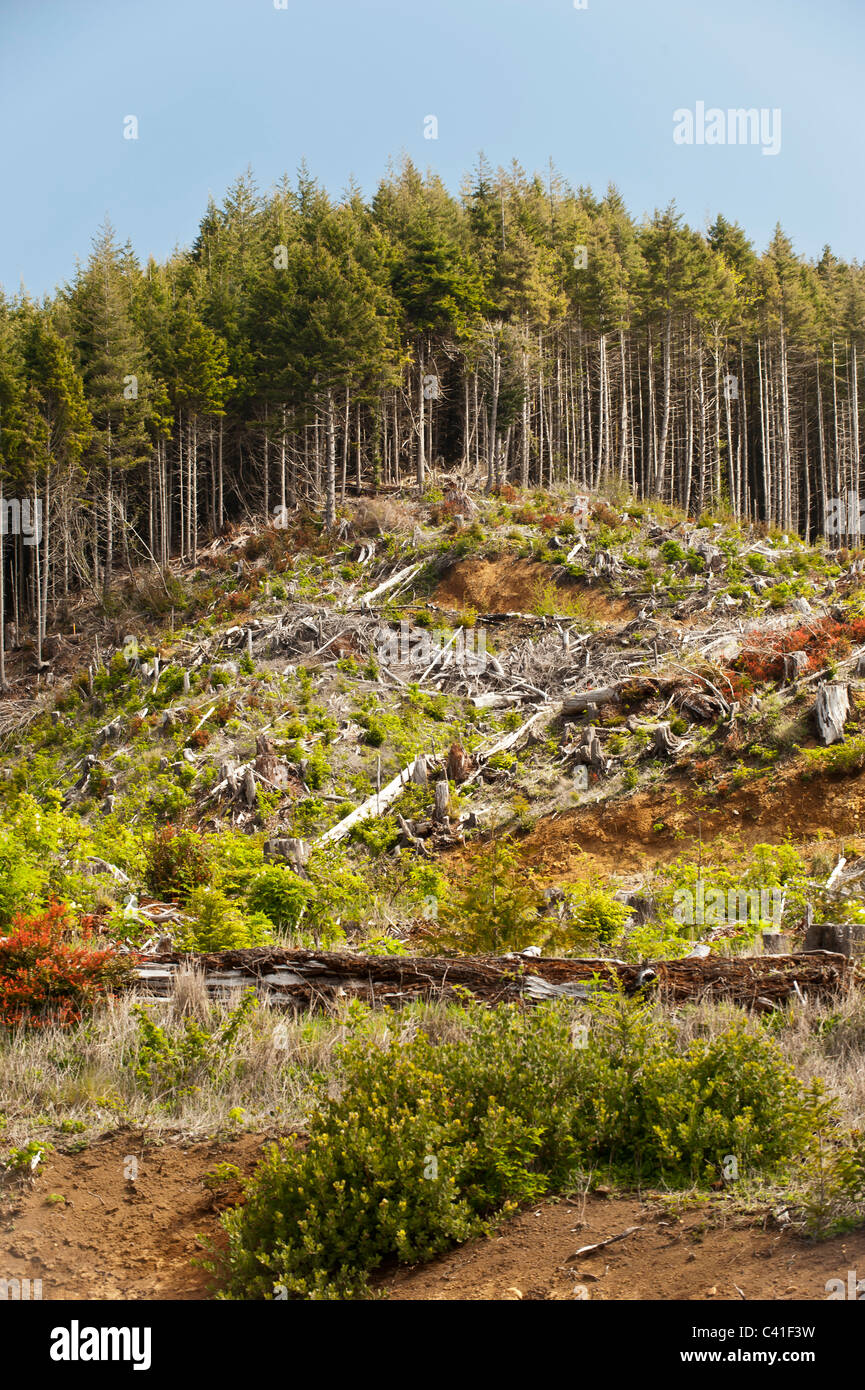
373	806
509	741
401	575
577	704
306	978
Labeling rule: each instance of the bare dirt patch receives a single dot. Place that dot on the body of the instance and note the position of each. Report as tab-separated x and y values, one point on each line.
510	585
111	1238
698	1256
629	834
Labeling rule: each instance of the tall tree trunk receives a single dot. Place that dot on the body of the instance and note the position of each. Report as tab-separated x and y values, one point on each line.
330	486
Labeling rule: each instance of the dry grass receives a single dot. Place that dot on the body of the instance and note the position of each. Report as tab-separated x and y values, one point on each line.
67	1085
374	516
63	1086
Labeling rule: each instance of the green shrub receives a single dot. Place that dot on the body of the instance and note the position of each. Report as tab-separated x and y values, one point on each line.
833	1197
281	896
673	553
177	862
426	1142
218	924
594	917
169	1066
498	910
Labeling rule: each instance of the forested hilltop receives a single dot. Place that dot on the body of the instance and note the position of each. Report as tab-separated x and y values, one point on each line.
523	332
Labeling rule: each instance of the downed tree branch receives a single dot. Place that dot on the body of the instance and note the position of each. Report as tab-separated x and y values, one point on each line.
601	1244
505	743
401	575
577	704
373	806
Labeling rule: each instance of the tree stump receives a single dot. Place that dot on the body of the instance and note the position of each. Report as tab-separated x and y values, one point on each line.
290	849
442	798
459	763
794	666
589	751
831	710
664	741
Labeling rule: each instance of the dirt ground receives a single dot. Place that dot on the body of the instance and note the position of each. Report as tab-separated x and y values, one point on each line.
620	836
113	1238
512	586
670	1258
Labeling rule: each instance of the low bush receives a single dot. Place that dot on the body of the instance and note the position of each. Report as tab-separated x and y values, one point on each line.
217	924
177	863
427	1142
169	1066
47	977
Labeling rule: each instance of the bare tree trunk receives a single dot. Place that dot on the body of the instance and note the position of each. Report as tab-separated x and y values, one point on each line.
330	487
420	472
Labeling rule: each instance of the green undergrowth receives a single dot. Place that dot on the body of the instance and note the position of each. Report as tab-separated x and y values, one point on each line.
427	1143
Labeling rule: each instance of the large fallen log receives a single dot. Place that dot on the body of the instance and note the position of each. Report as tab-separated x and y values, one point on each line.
304	978
373	806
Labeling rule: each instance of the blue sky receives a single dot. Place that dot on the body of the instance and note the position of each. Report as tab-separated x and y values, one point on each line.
220	84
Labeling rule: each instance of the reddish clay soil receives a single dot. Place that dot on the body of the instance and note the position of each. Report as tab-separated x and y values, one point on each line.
112	1238
671	1258
619	836
115	1239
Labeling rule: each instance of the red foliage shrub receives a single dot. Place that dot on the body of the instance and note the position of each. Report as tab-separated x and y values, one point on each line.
45	978
177	862
822	641
238	601
224	712
605	515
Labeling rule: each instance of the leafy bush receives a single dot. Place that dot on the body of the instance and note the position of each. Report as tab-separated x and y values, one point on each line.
594	916
281	896
499	908
426	1142
169	1067
832	1199
218	924
177	862
838	760
46	977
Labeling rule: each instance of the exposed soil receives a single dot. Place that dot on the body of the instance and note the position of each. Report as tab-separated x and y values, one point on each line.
112	1238
510	585
687	1257
620	835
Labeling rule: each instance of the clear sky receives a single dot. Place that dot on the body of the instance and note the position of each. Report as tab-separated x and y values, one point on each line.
217	85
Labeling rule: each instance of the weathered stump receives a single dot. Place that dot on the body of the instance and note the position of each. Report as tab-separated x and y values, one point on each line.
664	741
831	711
